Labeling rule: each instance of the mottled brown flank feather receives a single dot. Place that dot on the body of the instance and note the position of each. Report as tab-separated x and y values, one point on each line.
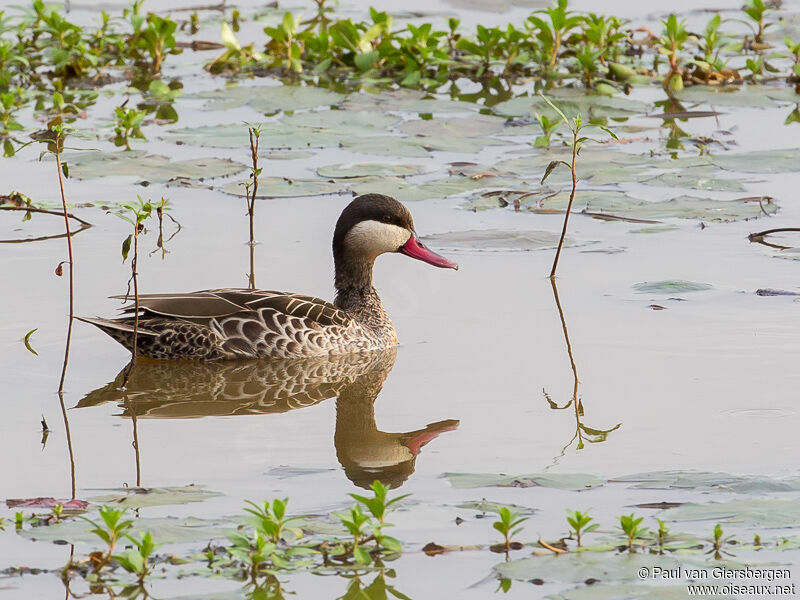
241	323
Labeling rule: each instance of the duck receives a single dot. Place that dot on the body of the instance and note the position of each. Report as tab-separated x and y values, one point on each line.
233	323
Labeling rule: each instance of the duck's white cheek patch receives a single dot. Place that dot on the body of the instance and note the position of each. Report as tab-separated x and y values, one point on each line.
372	238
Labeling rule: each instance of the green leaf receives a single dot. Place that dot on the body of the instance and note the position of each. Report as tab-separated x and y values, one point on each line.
27	341
126	247
361	555
552	165
229	38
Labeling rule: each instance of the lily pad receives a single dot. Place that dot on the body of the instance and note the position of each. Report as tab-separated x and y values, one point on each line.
289	155
617	203
761	161
387	145
671	286
404	100
165	530
148	167
577	567
268	98
761	512
497	240
708	481
351	122
494	507
273	135
695	180
559	481
281	187
459	127
740	95
371	169
572	101
140	497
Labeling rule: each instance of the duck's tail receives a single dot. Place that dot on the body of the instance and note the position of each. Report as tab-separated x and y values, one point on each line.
121	330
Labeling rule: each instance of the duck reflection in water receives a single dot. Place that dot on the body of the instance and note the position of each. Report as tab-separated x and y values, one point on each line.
191	389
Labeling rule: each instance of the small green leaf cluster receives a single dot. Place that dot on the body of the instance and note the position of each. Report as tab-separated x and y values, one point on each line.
580	524
128	125
508	524
631	527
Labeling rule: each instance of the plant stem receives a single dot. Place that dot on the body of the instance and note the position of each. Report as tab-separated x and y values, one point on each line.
135	277
569	206
251	205
58	142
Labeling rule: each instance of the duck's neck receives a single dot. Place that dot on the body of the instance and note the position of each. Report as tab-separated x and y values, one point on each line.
356	295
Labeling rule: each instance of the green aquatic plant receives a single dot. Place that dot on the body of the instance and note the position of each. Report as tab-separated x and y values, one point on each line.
630	526
255	553
128	125
378	506
357	522
111	529
548	126
508	524
662	533
580	524
136	560
672	41
235	57
552	28
10	103
284	45
756	10
272	521
157	39
484	47
575	125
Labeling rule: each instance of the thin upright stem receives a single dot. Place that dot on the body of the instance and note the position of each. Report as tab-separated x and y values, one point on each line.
569	206
58	141
251	206
135	277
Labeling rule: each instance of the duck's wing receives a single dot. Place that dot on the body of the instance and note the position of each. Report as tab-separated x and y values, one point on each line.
219	303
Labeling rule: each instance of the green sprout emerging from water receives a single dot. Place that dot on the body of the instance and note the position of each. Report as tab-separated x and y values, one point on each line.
111	529
579	523
272	521
356	522
378	506
129	122
630	526
508	525
575	125
136	560
672	41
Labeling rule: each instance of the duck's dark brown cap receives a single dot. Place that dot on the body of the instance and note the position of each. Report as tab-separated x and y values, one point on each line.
371	207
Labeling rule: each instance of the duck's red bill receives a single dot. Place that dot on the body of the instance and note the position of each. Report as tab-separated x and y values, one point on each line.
415	249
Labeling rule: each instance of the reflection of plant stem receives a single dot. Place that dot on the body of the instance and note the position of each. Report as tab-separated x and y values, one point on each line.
576	403
135	442
69	445
566	339
569	208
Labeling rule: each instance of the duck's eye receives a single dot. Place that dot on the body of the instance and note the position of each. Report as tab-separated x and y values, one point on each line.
386	218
